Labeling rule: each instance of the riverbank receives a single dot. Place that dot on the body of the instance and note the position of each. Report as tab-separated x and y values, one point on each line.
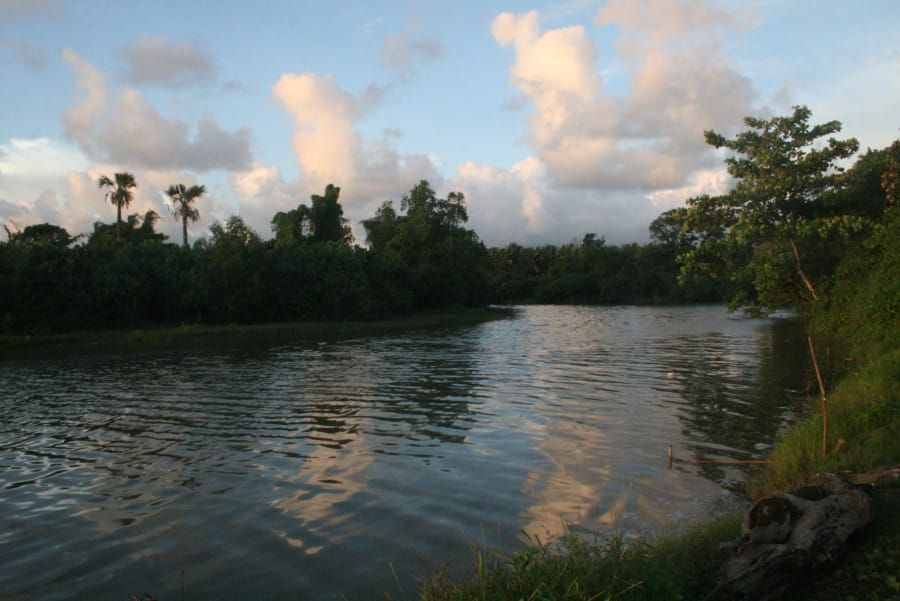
193	336
864	435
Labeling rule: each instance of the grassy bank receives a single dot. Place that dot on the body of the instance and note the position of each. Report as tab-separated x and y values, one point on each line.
193	336
863	433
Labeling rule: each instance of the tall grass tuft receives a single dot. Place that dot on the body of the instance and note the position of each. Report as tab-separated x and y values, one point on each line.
580	569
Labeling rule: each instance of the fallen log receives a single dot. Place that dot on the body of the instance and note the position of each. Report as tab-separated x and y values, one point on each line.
785	535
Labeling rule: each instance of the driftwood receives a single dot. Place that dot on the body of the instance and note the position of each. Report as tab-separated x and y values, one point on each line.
787	534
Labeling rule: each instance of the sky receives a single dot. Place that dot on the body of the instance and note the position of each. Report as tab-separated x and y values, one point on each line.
554	118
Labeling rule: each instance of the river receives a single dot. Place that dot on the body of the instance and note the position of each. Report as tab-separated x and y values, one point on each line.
345	469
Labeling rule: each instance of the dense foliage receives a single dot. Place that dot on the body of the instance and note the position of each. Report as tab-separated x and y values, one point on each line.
126	275
778	234
593	272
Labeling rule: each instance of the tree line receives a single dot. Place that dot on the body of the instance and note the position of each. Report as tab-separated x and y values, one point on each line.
776	239
126	274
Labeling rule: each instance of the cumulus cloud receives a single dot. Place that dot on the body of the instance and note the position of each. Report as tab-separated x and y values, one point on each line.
504	204
706	181
661	22
329	149
33	171
137	134
324	140
609	160
79	120
37	158
524	205
155	60
650	139
262	192
133	132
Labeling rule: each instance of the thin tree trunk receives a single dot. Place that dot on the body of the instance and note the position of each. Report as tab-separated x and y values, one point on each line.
806	282
812	347
812	353
118	221
184	226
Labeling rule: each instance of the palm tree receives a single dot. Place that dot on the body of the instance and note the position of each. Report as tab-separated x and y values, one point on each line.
120	193
182	198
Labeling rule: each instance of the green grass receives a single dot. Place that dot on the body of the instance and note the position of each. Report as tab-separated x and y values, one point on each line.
191	336
577	569
864	413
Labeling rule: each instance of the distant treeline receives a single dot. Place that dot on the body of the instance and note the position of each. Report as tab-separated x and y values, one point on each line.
594	272
419	256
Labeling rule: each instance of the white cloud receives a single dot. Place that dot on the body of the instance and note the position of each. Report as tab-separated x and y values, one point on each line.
137	134
523	205
133	132
664	21
155	60
262	192
32	171
324	140
708	181
80	119
609	162
37	158
650	139
330	150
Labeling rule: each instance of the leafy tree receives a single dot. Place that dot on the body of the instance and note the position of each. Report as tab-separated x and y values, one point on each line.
669	229
291	226
120	193
44	233
446	263
138	228
323	221
863	306
381	228
234	231
326	218
183	208
890	179
758	230
231	273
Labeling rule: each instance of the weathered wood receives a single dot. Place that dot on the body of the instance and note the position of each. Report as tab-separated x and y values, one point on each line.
786	534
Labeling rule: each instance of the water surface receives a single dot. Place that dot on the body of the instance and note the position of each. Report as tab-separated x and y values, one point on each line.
347	469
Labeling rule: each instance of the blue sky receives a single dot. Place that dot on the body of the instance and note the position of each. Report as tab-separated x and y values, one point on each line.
554	118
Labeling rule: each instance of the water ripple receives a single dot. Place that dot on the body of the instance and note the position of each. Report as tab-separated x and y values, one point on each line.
304	469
